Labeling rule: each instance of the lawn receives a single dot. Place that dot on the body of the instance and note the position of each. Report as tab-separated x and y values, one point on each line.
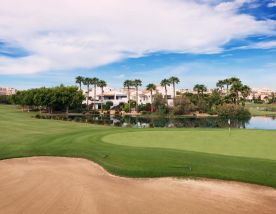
245	143
261	109
245	155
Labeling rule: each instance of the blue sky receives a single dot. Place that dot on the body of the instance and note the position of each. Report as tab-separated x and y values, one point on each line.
200	41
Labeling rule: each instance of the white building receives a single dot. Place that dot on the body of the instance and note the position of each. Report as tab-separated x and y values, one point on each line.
263	93
109	95
121	95
7	91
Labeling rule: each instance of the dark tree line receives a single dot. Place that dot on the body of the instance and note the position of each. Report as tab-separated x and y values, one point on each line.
60	98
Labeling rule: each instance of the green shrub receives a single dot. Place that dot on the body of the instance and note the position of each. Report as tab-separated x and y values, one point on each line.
38	116
107	105
117	124
232	111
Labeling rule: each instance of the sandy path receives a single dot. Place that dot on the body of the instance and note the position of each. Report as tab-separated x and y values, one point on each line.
64	185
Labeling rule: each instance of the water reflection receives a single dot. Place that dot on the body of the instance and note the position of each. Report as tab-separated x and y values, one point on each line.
178	122
262	123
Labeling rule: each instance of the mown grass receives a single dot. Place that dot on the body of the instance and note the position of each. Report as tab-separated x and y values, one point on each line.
244	143
23	136
260	109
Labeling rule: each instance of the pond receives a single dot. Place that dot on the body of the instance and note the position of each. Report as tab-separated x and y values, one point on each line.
177	122
262	123
207	122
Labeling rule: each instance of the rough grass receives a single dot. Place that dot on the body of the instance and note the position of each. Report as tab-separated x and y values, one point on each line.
23	136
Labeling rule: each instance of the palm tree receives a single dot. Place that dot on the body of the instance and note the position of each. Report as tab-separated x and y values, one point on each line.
200	89
164	83
227	82
174	80
236	88
151	87
136	84
234	79
87	81
102	84
245	91
79	80
94	82
128	84
231	81
220	84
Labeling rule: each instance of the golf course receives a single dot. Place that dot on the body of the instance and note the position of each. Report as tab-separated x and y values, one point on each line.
242	155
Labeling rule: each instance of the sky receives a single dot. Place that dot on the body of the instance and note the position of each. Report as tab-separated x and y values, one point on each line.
46	43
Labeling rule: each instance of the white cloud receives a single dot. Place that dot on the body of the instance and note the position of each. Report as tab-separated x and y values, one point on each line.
68	34
26	65
260	45
272	4
232	5
265	45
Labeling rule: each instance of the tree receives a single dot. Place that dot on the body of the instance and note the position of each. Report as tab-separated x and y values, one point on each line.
245	92
136	84
102	84
41	98
128	84
5	99
201	103
234	80
200	89
214	100
60	98
238	88
94	82
233	112
151	87
160	104
182	105
273	98
235	89
87	81
107	105
164	83
174	80
220	84
79	80
227	82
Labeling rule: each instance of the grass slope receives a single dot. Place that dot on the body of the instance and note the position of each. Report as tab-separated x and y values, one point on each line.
23	136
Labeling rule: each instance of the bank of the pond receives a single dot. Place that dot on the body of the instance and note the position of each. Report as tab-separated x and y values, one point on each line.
161	121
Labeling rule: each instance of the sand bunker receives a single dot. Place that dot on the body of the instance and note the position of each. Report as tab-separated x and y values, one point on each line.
65	185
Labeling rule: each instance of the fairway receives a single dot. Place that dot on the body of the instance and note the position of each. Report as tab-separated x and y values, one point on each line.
247	155
245	143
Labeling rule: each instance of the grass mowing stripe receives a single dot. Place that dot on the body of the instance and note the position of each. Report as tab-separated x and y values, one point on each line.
34	137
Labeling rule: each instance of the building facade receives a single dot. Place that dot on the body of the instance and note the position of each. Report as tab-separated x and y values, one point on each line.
7	91
117	96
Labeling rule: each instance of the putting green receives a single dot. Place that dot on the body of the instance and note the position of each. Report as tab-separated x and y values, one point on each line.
245	143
